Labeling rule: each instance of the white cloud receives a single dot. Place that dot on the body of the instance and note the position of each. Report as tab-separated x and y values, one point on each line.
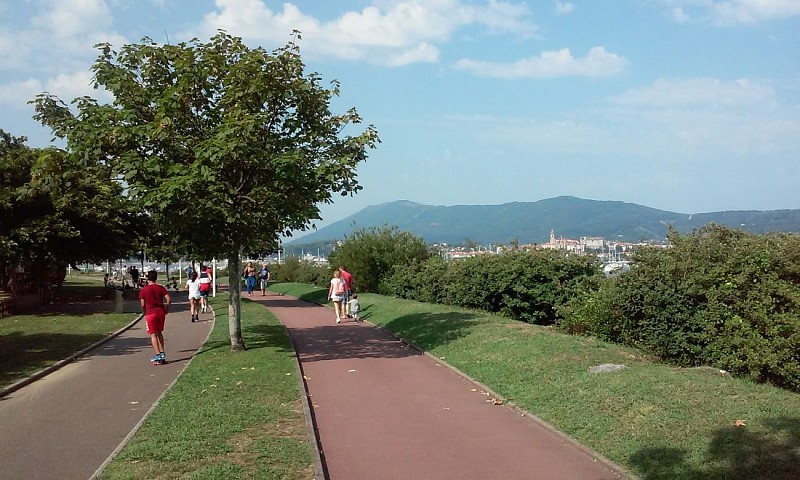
70	18
730	12
394	33
65	86
551	64
11	93
423	52
693	92
564	8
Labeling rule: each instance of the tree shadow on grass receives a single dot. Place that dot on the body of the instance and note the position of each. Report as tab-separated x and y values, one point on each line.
267	336
430	330
21	354
734	453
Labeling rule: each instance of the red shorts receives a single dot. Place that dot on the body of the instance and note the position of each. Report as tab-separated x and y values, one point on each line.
155	321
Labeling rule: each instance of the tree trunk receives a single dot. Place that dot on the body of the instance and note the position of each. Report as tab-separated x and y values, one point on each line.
235	302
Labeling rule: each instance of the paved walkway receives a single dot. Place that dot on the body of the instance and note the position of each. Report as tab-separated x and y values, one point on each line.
383	410
65	425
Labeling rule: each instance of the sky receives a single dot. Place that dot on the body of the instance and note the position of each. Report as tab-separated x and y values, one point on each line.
690	106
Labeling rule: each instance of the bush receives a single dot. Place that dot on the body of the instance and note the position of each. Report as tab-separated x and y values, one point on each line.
370	254
719	297
293	269
527	286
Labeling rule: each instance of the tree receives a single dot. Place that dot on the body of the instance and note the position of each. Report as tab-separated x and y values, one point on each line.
226	147
371	253
54	212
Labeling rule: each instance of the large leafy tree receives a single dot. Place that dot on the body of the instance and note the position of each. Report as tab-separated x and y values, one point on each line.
226	147
55	212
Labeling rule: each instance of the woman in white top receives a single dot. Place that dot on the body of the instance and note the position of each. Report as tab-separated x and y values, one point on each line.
336	293
193	285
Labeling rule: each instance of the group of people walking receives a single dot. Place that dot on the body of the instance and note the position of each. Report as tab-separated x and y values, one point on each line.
345	302
199	286
250	275
156	301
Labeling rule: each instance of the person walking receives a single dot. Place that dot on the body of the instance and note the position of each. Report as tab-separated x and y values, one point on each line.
193	286
263	275
348	290
249	275
353	307
155	302
204	278
336	293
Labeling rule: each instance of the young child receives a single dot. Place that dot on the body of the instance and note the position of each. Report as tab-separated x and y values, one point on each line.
155	302
352	305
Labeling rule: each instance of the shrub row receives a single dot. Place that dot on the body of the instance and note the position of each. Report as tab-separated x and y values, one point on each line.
527	286
718	297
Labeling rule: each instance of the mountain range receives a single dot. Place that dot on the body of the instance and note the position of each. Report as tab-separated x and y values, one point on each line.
531	222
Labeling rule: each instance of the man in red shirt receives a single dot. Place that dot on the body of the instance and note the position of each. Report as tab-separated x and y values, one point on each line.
348	290
155	302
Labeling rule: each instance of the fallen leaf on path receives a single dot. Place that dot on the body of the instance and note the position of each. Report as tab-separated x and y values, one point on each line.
474	390
133	403
306	377
496	401
740	423
350	371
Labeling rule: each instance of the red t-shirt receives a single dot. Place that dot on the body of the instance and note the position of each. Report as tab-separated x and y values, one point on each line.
348	279
153	295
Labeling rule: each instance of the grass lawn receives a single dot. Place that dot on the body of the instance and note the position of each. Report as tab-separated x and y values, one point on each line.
230	415
659	421
29	343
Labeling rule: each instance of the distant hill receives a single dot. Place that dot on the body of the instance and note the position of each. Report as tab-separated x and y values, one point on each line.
531	222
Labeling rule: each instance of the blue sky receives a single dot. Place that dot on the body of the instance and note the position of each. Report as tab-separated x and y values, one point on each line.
683	105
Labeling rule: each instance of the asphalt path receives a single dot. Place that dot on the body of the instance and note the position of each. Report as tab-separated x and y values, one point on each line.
68	423
384	410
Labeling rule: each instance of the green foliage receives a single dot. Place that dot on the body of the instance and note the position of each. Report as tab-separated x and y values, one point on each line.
719	297
527	286
370	254
296	270
56	211
226	147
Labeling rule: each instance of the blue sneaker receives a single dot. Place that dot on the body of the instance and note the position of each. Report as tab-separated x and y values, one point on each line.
163	357
156	358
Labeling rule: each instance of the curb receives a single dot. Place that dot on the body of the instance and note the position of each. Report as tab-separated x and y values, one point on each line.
621	472
62	363
320	471
136	427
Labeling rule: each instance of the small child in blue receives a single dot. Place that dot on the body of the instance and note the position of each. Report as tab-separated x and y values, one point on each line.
353	306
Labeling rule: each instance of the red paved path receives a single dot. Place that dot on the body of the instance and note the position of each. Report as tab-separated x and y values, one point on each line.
65	425
385	411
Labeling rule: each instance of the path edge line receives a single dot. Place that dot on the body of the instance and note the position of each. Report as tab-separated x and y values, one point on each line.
62	363
129	436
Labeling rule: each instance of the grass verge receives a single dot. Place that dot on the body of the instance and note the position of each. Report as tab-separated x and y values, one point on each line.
659	421
29	343
230	415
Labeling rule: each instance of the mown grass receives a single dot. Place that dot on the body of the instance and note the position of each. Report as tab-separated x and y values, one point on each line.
230	415
659	421
31	342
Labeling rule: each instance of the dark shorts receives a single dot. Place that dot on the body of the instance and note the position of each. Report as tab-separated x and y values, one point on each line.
155	322
204	293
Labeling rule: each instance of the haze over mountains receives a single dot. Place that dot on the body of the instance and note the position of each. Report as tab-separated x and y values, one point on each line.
531	222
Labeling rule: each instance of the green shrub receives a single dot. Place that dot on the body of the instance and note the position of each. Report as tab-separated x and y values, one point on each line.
527	286
719	297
